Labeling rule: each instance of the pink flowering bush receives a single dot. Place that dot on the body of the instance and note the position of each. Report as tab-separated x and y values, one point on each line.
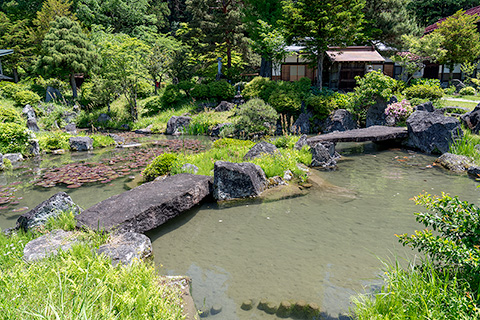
400	111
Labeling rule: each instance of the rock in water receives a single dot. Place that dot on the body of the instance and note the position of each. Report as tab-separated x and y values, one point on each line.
454	162
237	180
177	124
52	207
147	206
48	245
81	143
125	248
259	150
432	132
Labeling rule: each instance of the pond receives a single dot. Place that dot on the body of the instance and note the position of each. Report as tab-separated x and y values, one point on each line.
322	247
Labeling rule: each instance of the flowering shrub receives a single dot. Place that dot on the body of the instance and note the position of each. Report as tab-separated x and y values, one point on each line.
400	111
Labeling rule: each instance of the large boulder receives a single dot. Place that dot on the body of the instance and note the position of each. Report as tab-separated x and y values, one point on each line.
459	85
224	106
71	128
454	162
471	120
339	120
103	117
81	143
28	111
215	132
13	157
177	124
127	247
52	94
432	132
32	124
34	147
49	245
376	113
50	208
148	206
301	142
237	180
323	155
302	124
259	150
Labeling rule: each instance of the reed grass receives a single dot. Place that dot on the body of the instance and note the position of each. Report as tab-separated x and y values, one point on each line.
466	146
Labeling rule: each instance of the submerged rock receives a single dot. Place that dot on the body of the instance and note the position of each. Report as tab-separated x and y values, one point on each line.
432	132
259	150
52	207
148	206
237	180
81	143
49	245
454	162
125	248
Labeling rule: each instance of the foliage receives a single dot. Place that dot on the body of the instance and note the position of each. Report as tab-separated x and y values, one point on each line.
221	90
24	97
160	166
285	100
430	11
286	141
79	284
320	24
13	138
424	91
453	238
373	86
467	91
461	39
418	293
322	105
51	10
98	92
66	50
172	96
8	89
259	87
399	111
200	91
8	114
233	143
256	118
101	141
64	221
466	146
54	140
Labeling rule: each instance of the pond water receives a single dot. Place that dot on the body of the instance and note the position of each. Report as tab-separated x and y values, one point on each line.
322	247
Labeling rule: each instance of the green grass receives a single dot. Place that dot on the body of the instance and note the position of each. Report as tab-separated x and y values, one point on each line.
462	104
160	120
203	122
78	284
466	146
418	293
474	98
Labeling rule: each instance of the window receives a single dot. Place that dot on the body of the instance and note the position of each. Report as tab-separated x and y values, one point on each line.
297	72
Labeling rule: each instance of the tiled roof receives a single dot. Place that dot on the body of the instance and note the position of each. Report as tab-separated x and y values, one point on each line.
430	28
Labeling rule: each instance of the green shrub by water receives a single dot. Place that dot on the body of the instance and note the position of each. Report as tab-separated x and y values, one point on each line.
466	146
9	114
13	138
256	118
102	141
54	140
160	166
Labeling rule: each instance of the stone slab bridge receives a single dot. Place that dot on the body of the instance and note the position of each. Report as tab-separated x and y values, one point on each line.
373	134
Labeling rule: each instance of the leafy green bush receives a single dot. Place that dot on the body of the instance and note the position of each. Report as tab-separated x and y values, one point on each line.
54	140
160	165
172	96
200	91
13	138
467	91
8	89
423	91
322	106
102	141
186	86
303	87
144	89
256	118
259	87
221	90
450	90
285	100
153	105
8	114
24	97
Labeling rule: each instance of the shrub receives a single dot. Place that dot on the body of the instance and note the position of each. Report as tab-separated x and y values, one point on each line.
231	143
172	96
322	105
144	89
221	90
54	140
259	87
256	118
9	89
10	115
25	97
200	91
467	91
153	105
102	141
13	138
160	165
285	101
450	90
400	111
423	91
303	87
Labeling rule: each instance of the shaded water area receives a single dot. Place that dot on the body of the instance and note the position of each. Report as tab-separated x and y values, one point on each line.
321	248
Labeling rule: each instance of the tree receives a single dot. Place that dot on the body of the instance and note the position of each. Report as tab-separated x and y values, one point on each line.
320	24
430	11
51	9
387	20
123	60
217	23
17	36
66	50
460	39
20	9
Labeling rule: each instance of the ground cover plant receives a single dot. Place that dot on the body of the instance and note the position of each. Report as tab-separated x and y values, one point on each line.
79	284
465	146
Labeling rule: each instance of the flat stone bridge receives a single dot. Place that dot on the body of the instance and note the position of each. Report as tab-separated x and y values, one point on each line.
374	134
